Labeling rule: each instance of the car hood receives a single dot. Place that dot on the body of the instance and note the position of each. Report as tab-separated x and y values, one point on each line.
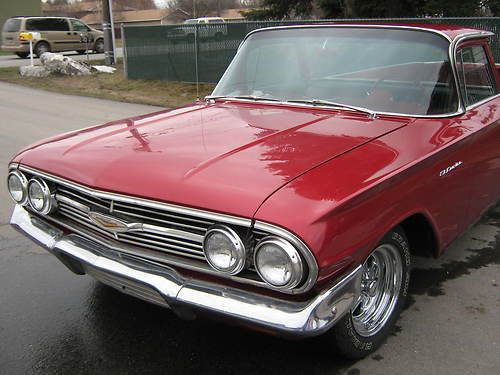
226	156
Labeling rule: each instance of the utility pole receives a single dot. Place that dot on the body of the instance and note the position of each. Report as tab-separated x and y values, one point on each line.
194	8
108	29
218	8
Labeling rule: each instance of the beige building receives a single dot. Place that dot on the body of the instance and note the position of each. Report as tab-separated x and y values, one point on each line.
146	17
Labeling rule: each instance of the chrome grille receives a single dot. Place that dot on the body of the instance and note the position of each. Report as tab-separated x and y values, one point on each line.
170	233
159	233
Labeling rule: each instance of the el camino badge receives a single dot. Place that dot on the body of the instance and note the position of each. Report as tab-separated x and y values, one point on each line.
449	169
109	223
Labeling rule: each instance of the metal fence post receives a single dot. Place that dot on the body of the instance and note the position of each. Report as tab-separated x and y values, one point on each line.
196	47
124	51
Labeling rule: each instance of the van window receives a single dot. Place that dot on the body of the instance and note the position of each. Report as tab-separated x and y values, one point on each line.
12	25
47	24
79	26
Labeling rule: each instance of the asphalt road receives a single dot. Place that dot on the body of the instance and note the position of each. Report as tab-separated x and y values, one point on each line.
53	322
14	60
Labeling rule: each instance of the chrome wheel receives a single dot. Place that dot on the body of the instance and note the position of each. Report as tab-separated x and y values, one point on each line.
380	287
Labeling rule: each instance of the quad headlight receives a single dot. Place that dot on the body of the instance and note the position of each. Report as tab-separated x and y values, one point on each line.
278	263
17	184
39	196
224	250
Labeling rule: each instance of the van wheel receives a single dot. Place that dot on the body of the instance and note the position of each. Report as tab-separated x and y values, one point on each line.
22	55
99	46
41	48
384	287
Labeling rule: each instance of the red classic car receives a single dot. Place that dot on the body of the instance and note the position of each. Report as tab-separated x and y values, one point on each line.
292	198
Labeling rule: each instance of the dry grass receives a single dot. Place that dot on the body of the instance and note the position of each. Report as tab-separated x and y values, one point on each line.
114	87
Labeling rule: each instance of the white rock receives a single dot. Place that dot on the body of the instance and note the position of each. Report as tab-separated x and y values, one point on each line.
103	69
59	64
33	71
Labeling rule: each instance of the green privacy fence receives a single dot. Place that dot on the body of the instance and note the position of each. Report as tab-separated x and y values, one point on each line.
202	52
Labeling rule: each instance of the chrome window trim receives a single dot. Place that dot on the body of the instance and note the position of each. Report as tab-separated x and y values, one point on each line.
187	264
453	50
451	56
486	100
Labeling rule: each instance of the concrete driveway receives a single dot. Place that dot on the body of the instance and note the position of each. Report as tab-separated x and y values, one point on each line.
14	60
53	322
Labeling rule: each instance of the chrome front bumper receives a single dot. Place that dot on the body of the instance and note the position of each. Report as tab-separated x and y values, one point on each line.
165	286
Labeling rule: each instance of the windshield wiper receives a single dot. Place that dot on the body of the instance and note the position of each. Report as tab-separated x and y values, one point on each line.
371	114
247	97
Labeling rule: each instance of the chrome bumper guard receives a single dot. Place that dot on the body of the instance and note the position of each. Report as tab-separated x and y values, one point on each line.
82	255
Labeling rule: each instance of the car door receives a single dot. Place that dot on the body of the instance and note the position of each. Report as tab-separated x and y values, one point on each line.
81	37
54	30
479	88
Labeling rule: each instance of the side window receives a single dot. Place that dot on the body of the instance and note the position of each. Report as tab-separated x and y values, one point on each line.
47	24
59	24
37	24
475	75
79	26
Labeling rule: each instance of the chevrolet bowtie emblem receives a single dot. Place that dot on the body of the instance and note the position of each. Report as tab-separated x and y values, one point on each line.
109	223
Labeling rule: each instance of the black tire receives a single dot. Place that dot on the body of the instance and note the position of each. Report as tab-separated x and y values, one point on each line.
81	51
345	335
41	48
99	46
22	55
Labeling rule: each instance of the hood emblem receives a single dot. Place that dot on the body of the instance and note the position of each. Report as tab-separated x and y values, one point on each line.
109	223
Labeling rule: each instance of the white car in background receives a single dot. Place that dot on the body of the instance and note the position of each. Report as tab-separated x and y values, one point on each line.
215	27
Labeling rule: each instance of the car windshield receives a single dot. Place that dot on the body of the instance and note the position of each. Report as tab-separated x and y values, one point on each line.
403	71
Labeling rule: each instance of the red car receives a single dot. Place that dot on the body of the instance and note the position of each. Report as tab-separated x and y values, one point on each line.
291	199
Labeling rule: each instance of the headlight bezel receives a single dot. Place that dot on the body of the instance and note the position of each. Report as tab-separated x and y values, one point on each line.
236	240
293	255
47	196
24	184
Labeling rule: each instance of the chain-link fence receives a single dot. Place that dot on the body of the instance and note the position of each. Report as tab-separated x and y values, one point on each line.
202	52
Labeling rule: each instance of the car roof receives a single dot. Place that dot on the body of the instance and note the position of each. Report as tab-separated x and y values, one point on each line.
450	32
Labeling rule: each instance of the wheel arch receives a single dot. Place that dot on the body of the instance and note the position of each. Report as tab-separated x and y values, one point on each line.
43	41
421	234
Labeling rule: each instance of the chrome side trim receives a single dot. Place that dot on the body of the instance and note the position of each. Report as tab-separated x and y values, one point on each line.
303	319
144	202
309	258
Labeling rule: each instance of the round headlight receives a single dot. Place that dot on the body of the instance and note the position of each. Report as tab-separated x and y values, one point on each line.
224	250
18	185
278	263
39	196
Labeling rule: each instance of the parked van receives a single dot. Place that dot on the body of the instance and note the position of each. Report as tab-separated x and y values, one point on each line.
215	27
58	34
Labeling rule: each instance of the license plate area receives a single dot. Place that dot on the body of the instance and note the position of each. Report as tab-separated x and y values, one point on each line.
127	286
